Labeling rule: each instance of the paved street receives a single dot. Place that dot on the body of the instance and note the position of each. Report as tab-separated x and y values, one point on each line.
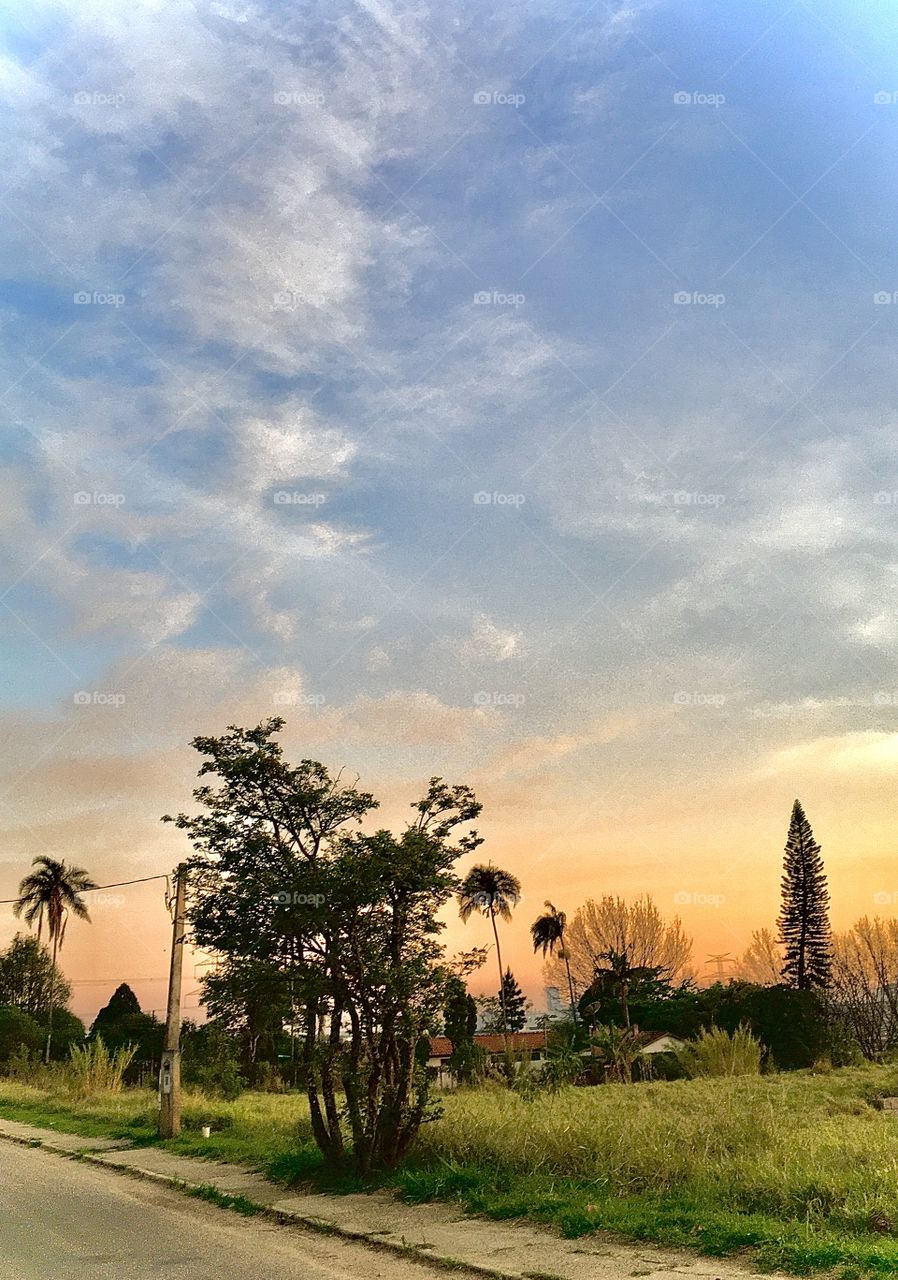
62	1220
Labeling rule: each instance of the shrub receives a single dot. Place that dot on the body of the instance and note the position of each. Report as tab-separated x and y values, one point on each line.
93	1069
219	1079
718	1053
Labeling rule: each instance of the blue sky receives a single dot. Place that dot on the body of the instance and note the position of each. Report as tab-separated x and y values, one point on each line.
288	289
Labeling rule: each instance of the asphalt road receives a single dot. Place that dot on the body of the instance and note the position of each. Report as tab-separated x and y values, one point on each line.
64	1220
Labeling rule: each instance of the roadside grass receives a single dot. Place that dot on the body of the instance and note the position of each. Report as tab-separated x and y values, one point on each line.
799	1169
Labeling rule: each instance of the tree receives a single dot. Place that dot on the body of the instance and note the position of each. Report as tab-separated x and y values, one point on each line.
251	1000
547	932
804	915
864	983
763	959
121	1023
54	890
27	976
18	1030
281	875
615	977
459	1026
493	893
513	1003
634	929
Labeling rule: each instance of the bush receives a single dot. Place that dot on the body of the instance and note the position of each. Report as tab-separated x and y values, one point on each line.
719	1053
219	1079
93	1069
18	1031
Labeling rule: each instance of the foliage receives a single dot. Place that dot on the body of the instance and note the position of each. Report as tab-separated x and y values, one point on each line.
26	973
634	929
54	891
513	1003
547	935
459	1025
762	961
804	915
493	893
68	1031
121	1023
864	985
720	1053
93	1069
283	877
251	1000
617	1048
210	1060
18	1031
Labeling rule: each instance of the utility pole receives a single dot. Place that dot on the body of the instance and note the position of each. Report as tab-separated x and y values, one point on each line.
170	1068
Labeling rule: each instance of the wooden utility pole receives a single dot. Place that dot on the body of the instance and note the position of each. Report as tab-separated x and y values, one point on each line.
170	1069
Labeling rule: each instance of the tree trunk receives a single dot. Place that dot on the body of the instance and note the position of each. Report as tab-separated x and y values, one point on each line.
52	1001
570	985
501	978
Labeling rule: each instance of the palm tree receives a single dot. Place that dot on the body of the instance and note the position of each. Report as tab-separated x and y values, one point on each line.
547	932
493	892
619	974
55	889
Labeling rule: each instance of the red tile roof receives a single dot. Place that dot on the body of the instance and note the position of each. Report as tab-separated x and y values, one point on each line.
441	1046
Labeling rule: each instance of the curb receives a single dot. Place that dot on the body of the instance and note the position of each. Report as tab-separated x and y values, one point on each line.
284	1217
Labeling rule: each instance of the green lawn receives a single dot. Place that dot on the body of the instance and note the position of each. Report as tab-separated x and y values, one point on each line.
802	1169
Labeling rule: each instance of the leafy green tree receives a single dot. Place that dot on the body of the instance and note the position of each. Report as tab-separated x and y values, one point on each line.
547	932
27	977
282	875
54	891
513	1003
617	980
460	1025
122	1022
804	915
493	892
251	1000
68	1032
18	1031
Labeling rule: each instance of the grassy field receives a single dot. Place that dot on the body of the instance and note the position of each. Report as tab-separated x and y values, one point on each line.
801	1169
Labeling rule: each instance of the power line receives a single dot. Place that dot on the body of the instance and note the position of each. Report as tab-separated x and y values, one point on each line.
9	902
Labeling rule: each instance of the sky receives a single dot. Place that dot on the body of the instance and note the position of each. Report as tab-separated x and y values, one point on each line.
505	392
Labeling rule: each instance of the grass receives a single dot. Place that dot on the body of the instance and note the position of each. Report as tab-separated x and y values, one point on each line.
800	1169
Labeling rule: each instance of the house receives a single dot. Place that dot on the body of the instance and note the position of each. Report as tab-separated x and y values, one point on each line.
494	1045
660	1042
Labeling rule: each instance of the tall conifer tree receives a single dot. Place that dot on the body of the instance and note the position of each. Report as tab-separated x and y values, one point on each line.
804	914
